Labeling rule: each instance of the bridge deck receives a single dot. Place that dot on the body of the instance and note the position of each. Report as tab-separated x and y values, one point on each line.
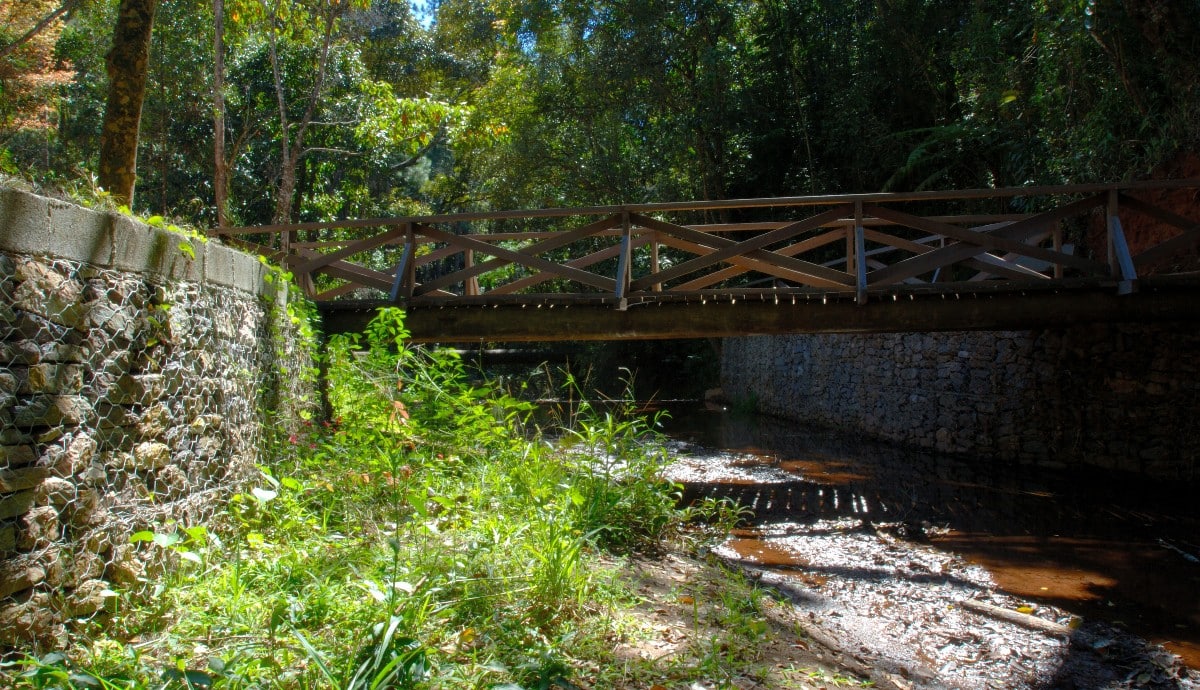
782	312
999	258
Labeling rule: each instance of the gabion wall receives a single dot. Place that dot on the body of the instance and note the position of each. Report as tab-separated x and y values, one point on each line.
136	375
1118	396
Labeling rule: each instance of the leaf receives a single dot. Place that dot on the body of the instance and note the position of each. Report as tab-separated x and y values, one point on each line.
376	593
197	533
191	556
144	535
193	679
315	656
263	495
85	680
577	496
168	539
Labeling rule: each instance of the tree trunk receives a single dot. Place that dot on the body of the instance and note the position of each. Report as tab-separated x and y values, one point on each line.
220	168
127	65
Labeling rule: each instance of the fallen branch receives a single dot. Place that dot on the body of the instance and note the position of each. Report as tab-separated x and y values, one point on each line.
1017	618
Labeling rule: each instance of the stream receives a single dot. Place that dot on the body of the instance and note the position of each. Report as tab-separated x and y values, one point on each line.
881	545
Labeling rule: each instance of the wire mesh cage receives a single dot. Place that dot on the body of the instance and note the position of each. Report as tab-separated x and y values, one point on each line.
128	404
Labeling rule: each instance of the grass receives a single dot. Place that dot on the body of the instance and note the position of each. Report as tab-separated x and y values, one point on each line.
430	536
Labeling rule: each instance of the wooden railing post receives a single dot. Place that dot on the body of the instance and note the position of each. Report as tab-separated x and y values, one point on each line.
471	287
850	248
1120	261
623	263
1058	246
860	256
654	260
406	272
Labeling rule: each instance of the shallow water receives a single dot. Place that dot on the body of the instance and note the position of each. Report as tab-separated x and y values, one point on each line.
1103	546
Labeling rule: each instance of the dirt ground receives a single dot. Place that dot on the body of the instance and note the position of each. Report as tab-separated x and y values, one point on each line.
899	622
682	604
871	604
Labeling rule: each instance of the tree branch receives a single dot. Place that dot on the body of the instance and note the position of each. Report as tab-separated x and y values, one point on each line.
412	160
324	149
46	21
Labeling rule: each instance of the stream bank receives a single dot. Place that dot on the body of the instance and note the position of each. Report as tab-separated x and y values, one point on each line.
884	550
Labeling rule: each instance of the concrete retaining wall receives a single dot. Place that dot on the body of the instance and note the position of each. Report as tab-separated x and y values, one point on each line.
1123	397
137	369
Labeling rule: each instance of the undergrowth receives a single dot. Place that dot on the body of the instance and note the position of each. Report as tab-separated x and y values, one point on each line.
428	536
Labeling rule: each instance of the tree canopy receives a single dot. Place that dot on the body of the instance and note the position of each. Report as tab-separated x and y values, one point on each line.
343	108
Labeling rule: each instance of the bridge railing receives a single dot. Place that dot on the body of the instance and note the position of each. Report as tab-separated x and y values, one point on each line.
851	246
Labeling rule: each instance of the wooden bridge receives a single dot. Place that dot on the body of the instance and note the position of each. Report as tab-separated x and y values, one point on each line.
925	261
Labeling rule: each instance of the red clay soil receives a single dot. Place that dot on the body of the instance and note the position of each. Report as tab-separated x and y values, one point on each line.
1143	232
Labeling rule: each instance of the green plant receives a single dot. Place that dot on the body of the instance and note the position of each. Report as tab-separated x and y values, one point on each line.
427	535
388	661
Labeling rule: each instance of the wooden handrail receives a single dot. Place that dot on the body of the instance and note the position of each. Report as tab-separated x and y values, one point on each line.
849	244
730	204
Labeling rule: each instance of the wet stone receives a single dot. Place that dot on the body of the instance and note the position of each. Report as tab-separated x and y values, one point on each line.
22	479
18	575
155	421
51	411
8	537
110	416
81	566
39	528
57	492
54	379
17	456
136	390
60	351
88	598
8	383
125	568
29	621
151	456
16	504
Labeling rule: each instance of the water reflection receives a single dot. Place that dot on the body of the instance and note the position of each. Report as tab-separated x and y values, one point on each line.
1105	546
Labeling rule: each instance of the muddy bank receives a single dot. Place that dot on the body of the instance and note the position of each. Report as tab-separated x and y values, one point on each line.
885	551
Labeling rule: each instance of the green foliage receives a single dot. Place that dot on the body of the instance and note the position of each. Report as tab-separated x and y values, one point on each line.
428	534
490	104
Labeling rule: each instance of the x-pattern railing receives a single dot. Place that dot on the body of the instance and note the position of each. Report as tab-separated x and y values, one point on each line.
855	245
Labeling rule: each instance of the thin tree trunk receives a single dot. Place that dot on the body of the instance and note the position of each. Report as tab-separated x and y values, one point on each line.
292	147
127	65
220	167
287	168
